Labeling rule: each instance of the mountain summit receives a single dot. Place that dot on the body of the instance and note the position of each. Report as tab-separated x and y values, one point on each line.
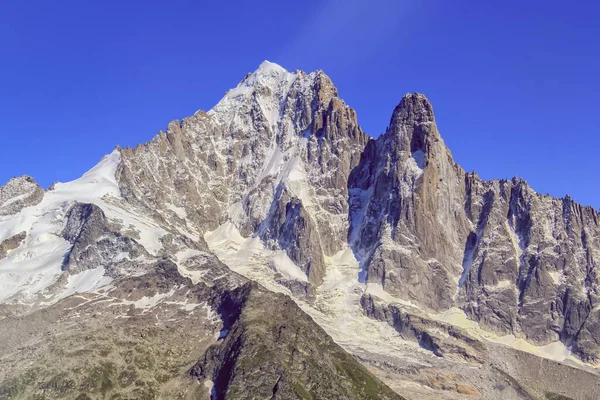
386	247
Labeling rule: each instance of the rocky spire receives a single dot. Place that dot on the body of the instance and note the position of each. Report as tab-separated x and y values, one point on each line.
406	193
517	262
411	115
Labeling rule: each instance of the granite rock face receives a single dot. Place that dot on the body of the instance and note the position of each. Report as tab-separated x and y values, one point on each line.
283	159
406	196
380	243
272	349
530	265
19	193
517	262
443	339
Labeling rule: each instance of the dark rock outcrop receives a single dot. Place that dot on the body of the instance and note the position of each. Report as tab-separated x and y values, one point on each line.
94	244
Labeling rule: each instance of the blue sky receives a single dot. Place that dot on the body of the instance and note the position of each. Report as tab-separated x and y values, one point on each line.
515	85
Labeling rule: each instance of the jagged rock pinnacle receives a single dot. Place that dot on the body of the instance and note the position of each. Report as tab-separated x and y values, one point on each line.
413	108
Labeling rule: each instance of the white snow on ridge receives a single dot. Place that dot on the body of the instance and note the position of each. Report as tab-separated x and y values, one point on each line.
95	183
268	75
36	264
86	281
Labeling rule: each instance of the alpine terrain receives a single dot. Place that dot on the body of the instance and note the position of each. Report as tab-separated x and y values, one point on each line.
271	249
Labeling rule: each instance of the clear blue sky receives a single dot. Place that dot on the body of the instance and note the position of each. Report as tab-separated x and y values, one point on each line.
515	84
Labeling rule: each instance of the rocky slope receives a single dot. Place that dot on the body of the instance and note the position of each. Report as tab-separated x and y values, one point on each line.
431	277
143	339
272	349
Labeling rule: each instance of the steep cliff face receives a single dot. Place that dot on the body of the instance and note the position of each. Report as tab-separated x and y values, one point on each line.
530	265
517	262
282	158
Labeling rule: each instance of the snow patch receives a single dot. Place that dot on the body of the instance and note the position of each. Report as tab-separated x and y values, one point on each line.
557	277
36	264
556	351
377	290
212	392
284	265
179	211
89	280
147	302
501	285
268	76
249	257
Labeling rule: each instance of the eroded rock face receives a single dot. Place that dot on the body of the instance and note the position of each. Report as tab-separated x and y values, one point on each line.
283	163
405	198
19	193
530	265
444	340
290	227
283	158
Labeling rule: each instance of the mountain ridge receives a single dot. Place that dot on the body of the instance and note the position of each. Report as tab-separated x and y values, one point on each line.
279	184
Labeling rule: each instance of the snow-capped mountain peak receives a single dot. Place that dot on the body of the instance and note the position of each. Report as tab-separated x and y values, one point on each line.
278	183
